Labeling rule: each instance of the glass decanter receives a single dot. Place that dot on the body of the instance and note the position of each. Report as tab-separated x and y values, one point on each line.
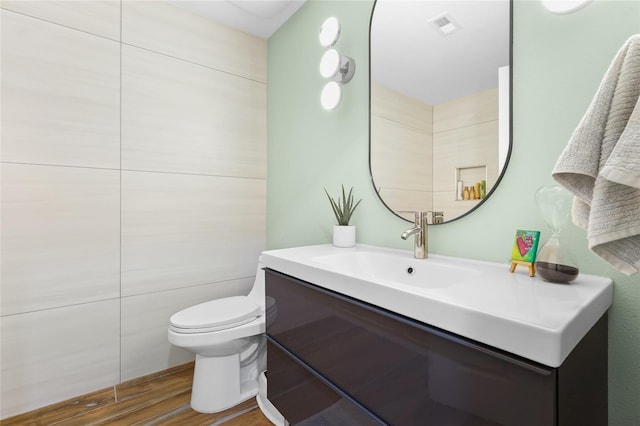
553	262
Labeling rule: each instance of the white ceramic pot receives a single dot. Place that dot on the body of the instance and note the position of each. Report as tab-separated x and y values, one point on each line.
344	236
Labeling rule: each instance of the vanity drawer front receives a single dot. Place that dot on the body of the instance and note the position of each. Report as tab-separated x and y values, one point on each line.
303	399
405	372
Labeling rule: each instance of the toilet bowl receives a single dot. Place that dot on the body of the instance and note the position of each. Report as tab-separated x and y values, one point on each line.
227	336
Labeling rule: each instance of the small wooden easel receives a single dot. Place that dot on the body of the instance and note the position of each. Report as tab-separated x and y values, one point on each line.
530	265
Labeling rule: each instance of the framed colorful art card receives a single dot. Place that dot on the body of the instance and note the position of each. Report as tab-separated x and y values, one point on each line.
525	246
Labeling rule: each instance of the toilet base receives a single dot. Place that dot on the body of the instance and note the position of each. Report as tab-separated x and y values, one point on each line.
220	383
267	408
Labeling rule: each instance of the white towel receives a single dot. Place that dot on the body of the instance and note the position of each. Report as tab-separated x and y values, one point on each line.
601	164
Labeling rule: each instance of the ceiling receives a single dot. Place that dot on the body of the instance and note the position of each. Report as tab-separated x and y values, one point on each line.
411	56
261	18
407	54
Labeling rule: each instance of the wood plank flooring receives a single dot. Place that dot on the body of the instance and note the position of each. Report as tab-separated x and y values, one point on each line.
157	399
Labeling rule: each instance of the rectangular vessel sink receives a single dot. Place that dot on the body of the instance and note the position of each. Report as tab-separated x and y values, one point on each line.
479	300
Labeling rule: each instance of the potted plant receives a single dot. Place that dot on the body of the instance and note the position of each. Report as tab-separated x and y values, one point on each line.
344	235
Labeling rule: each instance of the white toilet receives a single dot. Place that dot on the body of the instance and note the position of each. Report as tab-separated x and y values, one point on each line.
227	336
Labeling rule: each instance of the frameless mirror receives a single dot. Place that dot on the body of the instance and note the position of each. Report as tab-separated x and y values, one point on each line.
440	113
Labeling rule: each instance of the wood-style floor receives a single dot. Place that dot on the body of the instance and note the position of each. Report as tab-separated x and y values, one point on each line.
158	399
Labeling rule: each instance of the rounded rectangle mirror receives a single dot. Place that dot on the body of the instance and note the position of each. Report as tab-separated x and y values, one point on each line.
440	103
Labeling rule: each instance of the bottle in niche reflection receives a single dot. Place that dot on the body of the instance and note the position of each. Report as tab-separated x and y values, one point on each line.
472	193
465	194
554	263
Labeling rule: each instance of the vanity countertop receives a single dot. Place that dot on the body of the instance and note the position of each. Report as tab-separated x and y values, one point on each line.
479	300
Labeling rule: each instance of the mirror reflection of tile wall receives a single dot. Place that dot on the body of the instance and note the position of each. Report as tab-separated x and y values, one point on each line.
401	150
417	149
465	136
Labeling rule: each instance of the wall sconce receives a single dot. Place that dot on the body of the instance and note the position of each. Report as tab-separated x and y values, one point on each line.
562	7
335	67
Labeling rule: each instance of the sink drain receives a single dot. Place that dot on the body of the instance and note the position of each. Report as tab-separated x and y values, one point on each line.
410	270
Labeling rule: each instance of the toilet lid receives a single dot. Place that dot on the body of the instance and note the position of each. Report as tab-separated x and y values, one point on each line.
217	314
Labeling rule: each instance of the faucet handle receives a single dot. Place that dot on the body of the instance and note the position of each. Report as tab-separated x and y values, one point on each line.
420	215
421	218
437	216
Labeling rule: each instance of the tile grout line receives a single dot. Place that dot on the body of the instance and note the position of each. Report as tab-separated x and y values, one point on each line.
188	61
245	76
120	297
120	169
120	228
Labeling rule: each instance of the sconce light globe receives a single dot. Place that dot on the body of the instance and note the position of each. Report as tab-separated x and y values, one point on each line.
330	63
329	32
331	96
562	7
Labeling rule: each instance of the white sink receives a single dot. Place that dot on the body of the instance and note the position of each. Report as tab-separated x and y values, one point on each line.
478	300
396	269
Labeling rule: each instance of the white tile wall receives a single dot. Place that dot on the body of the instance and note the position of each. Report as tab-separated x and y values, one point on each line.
416	148
55	354
145	319
60	94
60	236
96	17
405	202
77	225
401	150
473	109
469	146
181	117
162	27
446	202
185	230
400	156
395	106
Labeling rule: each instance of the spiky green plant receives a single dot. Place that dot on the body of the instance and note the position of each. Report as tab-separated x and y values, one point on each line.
343	209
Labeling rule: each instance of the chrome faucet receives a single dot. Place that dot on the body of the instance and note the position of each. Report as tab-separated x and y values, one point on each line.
420	248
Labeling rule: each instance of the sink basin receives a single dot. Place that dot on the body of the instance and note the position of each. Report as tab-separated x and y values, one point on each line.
478	300
395	268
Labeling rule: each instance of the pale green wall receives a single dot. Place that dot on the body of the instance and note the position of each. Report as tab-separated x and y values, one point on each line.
558	63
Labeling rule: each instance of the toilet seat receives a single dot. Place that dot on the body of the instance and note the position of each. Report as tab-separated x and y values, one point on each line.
215	315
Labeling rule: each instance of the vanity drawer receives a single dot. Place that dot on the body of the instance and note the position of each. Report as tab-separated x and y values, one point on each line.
303	399
403	371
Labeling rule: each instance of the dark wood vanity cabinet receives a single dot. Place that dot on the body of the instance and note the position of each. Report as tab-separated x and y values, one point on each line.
334	360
